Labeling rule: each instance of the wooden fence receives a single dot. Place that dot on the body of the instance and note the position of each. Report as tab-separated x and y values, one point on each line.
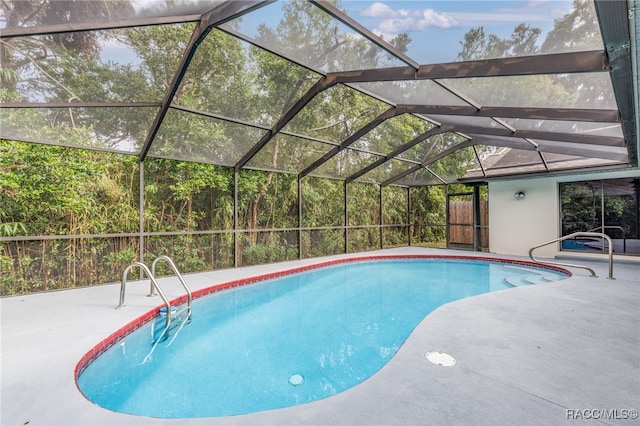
461	223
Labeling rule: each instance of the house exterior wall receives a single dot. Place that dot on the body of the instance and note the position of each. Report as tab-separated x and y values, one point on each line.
516	225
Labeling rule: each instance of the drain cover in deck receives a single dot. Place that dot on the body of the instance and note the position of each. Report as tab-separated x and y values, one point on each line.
440	358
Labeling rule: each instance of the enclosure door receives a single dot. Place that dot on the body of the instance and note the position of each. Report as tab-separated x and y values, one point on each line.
468	220
460	223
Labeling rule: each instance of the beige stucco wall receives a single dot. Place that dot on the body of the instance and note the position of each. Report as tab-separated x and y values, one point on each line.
517	225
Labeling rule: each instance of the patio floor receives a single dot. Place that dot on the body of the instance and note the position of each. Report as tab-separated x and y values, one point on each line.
566	352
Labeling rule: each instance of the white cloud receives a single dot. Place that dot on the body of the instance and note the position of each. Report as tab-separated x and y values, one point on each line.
378	9
403	20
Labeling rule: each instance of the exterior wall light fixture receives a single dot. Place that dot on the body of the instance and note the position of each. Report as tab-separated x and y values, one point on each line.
519	195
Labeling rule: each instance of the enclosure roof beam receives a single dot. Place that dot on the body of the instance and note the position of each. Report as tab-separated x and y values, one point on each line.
428	161
219	117
93	26
560	63
578	138
608	153
533	113
391	112
80	104
322	84
399	150
573	138
219	14
505	142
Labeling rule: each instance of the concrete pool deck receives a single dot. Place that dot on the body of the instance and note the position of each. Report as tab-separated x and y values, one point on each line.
566	352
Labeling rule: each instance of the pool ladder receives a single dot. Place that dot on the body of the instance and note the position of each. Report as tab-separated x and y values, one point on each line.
175	318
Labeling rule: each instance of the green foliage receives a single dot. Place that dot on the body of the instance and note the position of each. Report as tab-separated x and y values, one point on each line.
316	210
50	190
428	215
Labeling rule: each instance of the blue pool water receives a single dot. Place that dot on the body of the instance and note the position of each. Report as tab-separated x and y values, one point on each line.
578	244
287	341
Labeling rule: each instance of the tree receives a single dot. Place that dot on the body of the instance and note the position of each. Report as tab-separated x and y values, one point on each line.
26	13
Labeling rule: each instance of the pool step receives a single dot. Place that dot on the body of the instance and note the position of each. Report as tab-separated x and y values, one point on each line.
513	281
179	317
520	280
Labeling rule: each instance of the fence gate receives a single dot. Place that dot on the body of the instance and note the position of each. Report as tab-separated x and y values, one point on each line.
467	221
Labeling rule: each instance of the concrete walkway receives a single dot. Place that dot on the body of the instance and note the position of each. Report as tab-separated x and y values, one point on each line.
559	353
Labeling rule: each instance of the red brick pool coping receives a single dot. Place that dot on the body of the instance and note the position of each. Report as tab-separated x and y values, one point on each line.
116	336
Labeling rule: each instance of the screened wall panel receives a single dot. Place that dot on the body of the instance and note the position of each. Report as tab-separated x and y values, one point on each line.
186	196
432	146
335	114
191	137
345	163
37	266
395	236
547	91
191	253
229	77
95	66
394	205
386	171
447	167
363	204
392	133
322	242
428	216
317	213
363	239
420	92
315	39
288	153
421	177
54	190
122	129
267	200
508	159
257	248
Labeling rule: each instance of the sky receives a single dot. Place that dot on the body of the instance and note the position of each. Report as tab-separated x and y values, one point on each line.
437	27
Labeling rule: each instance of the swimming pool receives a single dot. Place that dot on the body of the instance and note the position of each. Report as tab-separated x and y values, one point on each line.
300	336
583	244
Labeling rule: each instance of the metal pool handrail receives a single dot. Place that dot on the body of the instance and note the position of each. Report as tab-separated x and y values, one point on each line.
154	283
175	271
577	234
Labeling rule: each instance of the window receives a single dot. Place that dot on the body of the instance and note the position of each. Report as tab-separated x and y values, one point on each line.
610	206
